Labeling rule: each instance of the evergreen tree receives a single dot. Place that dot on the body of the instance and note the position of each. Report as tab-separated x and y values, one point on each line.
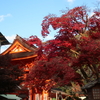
10	75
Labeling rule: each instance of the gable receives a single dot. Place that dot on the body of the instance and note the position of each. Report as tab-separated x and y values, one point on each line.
20	50
17	48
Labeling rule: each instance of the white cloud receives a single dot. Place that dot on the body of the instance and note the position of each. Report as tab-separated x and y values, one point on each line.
70	1
10	38
3	16
49	37
91	13
3	48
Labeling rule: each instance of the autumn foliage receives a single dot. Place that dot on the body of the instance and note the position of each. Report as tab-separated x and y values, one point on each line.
74	53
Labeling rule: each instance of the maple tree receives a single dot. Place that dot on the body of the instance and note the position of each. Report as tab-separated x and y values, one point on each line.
74	53
48	74
10	75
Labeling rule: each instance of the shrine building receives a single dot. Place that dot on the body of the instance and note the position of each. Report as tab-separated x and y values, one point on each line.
22	53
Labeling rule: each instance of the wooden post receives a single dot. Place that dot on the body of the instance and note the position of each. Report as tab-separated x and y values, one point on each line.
30	94
56	95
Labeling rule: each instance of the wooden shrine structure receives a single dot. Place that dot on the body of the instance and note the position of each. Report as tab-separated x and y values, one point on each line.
3	40
93	89
23	54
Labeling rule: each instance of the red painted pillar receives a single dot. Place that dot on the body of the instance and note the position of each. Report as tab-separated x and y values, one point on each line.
30	94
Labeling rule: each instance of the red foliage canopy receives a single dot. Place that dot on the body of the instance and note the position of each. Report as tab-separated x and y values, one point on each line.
73	52
48	74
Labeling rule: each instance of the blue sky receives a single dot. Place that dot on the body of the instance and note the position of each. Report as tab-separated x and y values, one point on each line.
24	17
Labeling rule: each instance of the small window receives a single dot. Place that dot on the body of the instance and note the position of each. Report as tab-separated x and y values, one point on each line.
96	93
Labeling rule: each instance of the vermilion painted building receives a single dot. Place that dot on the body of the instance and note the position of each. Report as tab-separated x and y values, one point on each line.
23	54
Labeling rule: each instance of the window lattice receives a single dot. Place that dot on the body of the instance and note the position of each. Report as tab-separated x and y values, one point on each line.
96	93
